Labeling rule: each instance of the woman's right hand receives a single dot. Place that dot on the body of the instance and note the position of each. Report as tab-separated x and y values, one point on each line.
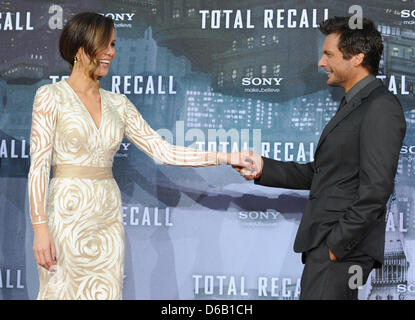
43	246
248	163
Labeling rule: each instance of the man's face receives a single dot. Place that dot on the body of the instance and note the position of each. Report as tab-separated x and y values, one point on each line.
339	69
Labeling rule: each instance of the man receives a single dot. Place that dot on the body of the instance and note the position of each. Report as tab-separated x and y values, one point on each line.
352	177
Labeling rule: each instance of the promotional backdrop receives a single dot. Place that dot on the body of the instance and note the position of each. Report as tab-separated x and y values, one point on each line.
215	75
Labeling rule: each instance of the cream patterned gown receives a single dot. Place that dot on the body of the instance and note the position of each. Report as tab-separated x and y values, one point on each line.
82	202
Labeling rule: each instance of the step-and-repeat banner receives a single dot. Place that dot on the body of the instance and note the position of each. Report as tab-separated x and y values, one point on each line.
216	75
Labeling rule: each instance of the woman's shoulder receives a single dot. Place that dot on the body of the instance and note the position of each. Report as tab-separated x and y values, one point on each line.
51	88
115	98
113	95
45	87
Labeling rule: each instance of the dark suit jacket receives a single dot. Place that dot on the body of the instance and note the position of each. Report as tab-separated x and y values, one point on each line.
351	178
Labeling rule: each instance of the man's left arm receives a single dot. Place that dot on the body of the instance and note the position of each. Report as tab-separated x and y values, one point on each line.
381	137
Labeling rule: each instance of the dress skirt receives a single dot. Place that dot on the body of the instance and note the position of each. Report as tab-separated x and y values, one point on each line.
85	219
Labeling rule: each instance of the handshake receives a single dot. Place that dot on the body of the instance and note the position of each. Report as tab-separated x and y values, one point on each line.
248	163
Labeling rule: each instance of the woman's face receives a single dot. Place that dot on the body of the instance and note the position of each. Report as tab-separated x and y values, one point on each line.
105	57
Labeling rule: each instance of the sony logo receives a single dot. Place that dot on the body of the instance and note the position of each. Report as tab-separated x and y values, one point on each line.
261	81
407	13
259	215
406	288
119	16
408	149
125	146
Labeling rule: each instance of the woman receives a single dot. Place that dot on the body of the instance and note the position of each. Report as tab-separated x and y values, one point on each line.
77	127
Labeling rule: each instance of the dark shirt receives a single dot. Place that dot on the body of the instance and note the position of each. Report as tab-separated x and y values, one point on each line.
359	86
355	90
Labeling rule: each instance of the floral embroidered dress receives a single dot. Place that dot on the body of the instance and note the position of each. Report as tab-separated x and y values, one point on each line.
82	202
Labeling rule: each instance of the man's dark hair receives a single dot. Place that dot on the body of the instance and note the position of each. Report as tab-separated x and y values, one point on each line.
366	40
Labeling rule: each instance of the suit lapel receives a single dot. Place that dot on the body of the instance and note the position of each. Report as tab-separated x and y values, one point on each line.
348	108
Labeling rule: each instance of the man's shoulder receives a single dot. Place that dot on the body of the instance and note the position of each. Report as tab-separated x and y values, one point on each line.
382	103
381	95
380	90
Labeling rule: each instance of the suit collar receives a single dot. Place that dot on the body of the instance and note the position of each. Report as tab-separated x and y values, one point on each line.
350	106
359	86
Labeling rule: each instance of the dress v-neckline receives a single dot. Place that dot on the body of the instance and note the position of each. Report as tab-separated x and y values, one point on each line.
86	109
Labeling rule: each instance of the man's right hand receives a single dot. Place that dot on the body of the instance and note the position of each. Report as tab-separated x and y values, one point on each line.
43	246
253	171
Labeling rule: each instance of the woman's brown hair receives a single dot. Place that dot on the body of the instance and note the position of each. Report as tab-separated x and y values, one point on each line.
89	30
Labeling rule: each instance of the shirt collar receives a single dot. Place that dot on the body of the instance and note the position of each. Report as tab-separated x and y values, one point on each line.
359	86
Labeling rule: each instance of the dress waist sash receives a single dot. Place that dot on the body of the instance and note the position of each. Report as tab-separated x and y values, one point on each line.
73	171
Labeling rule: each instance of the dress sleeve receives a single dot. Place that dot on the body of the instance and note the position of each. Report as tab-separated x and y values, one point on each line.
150	142
41	145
